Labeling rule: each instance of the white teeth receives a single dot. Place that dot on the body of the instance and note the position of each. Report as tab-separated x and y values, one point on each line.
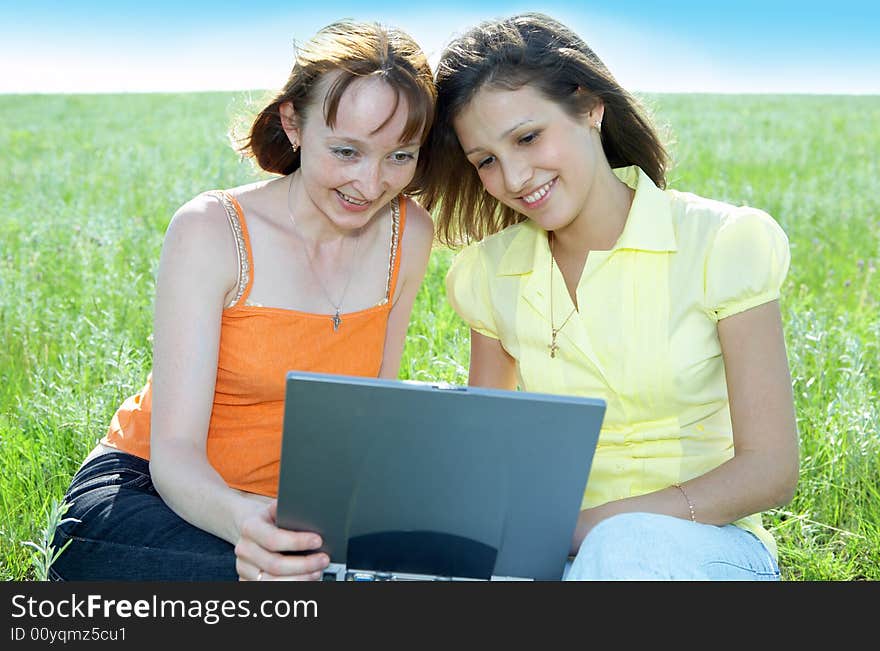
352	200
539	193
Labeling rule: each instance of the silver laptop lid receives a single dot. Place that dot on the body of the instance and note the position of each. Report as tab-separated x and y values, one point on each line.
427	479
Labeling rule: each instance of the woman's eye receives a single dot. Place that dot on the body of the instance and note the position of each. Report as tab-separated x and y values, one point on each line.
402	157
486	161
529	138
344	152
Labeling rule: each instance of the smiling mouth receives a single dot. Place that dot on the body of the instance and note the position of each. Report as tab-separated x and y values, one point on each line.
538	194
352	200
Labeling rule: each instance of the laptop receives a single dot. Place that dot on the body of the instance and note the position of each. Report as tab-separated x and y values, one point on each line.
408	480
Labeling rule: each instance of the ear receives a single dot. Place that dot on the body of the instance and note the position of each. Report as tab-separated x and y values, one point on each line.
290	122
596	114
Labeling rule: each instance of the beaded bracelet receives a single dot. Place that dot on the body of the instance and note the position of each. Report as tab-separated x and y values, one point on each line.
688	500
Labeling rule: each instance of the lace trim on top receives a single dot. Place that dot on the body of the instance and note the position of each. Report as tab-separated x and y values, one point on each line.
395	237
244	267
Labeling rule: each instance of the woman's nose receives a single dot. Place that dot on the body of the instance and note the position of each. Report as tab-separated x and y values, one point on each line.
371	182
517	175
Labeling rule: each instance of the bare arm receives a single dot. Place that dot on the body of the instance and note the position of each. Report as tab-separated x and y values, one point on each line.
763	472
491	366
198	272
415	251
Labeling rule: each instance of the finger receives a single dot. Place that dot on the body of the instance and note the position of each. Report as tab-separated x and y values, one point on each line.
281	565
250	553
273	538
288	540
314	576
247	571
282	540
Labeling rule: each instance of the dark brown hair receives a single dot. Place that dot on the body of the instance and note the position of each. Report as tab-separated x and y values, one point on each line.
356	50
527	49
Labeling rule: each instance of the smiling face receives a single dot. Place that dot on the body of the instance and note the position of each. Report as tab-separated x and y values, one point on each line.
348	172
530	153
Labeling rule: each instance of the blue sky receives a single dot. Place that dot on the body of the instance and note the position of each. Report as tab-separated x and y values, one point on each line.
786	46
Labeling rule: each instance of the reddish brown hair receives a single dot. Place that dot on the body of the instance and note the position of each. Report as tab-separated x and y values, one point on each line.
356	50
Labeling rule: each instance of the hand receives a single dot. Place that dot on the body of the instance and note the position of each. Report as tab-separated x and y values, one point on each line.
260	550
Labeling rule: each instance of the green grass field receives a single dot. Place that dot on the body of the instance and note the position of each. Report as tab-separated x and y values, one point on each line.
89	184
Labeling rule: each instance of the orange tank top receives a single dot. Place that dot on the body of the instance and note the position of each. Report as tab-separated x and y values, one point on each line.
258	345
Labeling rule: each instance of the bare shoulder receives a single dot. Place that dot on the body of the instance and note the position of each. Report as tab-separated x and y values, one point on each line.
203	216
419	233
199	240
254	191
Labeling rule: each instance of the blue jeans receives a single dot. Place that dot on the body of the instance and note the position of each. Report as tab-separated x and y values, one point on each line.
127	532
648	546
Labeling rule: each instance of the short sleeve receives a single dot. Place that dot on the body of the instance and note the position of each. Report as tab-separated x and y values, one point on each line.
467	288
746	264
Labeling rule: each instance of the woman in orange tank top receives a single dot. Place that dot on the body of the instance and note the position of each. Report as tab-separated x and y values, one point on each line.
316	269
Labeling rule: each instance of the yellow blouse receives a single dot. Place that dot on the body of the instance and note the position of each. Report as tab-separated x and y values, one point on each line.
645	339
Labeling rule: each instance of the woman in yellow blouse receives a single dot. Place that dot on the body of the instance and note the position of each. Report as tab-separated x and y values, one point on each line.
586	276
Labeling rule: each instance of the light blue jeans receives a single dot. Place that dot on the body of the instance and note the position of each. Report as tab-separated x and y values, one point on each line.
648	546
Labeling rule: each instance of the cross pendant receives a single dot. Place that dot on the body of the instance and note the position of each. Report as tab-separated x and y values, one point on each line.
336	321
553	346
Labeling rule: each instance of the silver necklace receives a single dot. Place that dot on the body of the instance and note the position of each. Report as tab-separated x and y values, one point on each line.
553	329
336	318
